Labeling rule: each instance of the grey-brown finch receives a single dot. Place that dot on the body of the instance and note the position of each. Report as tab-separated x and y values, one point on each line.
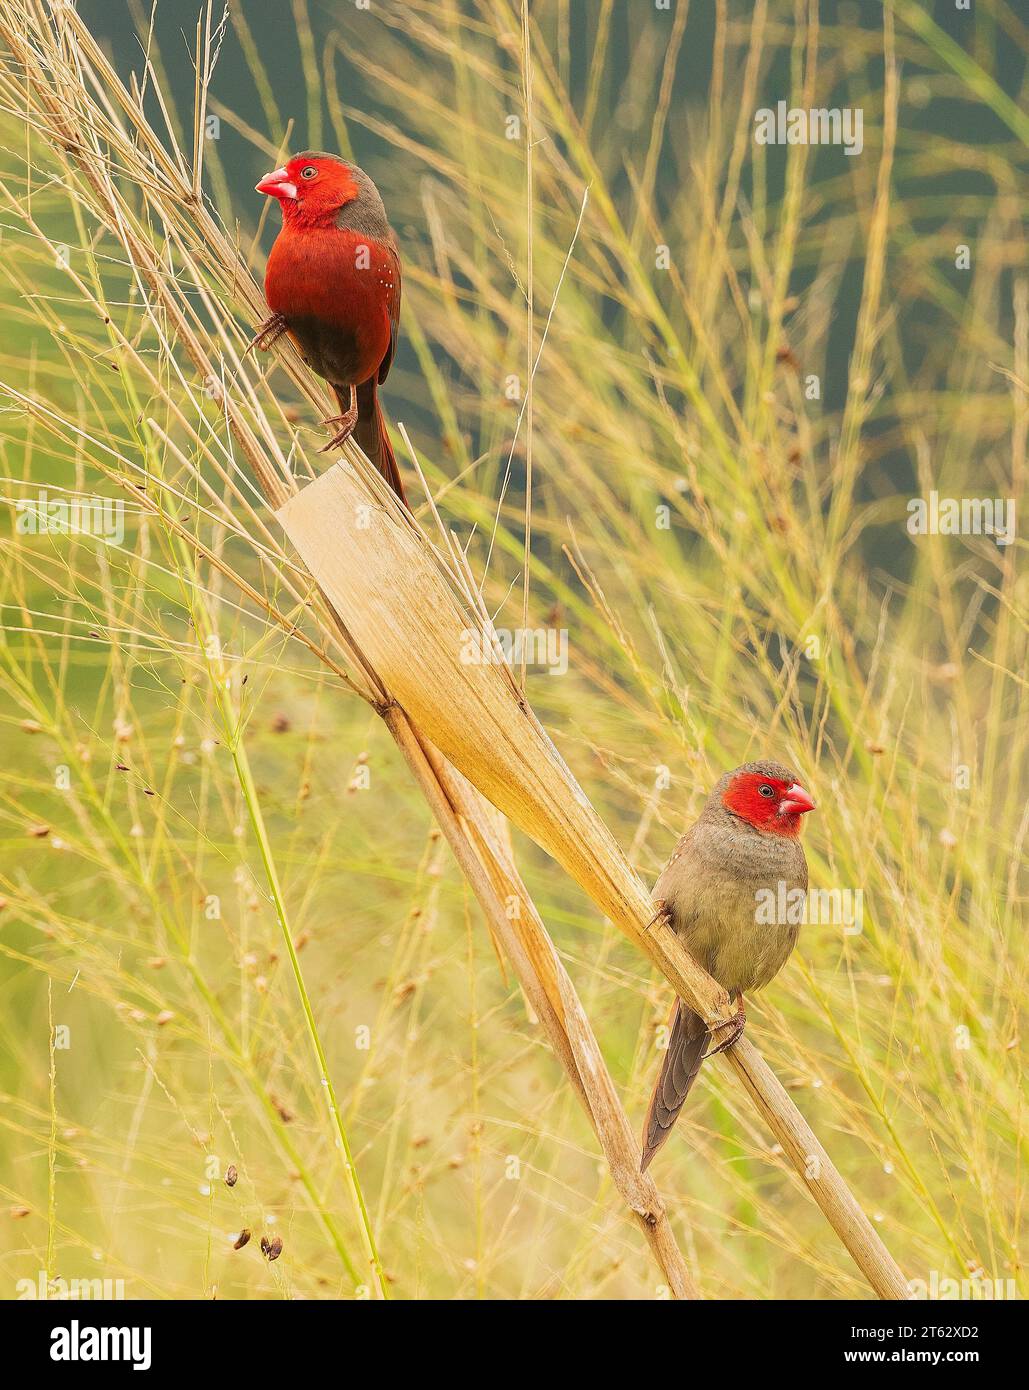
746	841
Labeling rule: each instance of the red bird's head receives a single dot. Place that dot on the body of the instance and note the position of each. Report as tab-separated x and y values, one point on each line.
767	796
313	187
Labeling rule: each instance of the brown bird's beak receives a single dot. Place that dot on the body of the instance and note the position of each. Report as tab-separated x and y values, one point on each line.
277	184
796	801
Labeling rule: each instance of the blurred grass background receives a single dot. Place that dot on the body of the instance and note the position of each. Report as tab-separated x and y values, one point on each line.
731	562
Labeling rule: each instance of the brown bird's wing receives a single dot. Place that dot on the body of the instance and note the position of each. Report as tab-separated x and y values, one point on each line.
686	1048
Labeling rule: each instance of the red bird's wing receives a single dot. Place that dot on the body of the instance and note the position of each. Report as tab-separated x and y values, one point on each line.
393	309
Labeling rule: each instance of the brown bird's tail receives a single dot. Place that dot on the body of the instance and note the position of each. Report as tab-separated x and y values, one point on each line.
686	1048
373	437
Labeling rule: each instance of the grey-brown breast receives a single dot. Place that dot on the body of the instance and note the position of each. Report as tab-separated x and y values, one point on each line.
716	882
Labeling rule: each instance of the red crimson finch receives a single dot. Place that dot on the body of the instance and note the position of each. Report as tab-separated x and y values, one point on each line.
333	284
745	841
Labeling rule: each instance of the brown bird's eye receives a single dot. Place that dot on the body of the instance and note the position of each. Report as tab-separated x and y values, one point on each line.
766	791
308	172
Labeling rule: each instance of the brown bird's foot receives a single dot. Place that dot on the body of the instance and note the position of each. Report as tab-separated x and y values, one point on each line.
737	1023
662	915
346	422
268	333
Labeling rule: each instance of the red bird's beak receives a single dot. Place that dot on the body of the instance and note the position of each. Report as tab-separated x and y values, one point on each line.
796	802
277	184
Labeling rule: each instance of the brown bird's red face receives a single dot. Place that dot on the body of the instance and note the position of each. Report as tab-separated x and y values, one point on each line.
311	188
770	804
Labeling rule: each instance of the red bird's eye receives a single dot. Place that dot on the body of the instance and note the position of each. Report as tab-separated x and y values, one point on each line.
766	791
308	172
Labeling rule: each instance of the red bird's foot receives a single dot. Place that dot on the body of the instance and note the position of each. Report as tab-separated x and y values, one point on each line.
346	422
737	1023
268	333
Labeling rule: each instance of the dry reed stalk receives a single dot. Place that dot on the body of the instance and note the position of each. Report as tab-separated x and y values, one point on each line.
480	840
400	599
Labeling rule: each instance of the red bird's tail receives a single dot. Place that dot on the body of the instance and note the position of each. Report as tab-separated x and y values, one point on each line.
686	1048
373	437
